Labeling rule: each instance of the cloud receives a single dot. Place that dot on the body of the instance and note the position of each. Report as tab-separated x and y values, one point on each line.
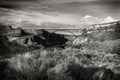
17	18
36	19
64	9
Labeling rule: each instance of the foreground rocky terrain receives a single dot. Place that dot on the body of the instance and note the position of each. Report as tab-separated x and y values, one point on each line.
94	54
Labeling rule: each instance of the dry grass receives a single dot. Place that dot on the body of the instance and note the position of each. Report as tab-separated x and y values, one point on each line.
67	64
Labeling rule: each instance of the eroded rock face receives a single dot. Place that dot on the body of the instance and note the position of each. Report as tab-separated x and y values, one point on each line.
52	39
43	38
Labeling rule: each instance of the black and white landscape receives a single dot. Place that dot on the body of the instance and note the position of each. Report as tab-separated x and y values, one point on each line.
59	40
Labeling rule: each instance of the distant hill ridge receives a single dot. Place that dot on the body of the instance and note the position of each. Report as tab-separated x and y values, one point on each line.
106	27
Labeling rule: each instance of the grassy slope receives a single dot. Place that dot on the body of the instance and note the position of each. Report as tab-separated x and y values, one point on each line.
67	64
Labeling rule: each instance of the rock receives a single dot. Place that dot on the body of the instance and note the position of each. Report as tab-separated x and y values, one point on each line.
43	38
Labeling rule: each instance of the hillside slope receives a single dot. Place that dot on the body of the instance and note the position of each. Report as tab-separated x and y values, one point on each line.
100	36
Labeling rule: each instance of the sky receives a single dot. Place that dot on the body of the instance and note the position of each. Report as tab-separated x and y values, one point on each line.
70	12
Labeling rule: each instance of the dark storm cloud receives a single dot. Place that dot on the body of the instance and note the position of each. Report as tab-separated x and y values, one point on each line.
9	6
16	4
16	0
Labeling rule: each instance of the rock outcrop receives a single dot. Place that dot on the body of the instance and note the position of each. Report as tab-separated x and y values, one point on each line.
43	38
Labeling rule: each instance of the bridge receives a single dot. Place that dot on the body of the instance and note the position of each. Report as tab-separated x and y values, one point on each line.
66	31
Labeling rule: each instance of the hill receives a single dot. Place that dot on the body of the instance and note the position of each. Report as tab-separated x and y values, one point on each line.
46	55
22	40
105	35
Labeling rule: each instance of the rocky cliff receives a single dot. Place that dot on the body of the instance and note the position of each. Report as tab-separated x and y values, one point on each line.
20	39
